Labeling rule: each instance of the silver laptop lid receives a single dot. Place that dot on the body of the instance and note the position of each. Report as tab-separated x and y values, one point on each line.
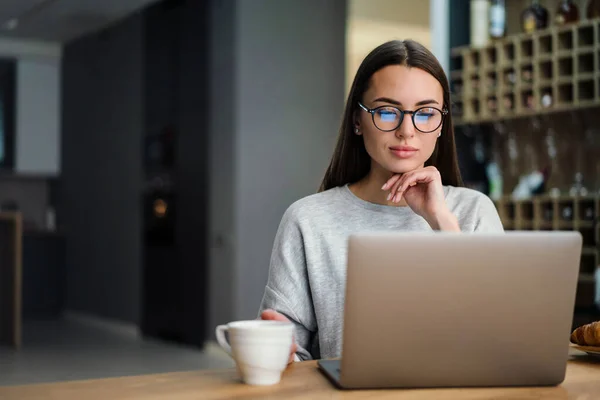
444	310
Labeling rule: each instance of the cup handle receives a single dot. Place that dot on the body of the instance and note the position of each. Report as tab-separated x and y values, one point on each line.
220	333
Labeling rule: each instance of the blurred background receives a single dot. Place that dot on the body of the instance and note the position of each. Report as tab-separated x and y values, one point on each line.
148	150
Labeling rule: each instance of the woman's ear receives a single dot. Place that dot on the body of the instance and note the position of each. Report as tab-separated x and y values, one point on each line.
356	125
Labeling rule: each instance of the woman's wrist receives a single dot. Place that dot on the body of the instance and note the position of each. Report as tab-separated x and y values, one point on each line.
444	221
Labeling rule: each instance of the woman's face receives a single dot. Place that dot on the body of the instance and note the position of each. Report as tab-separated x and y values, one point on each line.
405	148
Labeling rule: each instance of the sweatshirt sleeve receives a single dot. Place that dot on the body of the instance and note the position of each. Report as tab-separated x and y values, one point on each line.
488	219
288	289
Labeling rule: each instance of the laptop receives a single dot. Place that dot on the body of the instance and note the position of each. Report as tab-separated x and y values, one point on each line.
433	310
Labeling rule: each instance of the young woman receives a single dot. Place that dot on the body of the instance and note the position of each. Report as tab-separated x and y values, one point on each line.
394	168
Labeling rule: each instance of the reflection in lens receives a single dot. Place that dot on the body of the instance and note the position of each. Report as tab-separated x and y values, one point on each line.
386	118
427	119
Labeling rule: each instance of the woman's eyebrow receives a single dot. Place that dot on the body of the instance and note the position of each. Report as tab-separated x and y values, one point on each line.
428	101
388	100
396	102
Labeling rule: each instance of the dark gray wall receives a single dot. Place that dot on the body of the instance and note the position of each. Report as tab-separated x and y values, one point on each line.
277	99
291	64
101	170
275	102
222	159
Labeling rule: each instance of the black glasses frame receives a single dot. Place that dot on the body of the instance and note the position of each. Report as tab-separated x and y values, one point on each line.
402	112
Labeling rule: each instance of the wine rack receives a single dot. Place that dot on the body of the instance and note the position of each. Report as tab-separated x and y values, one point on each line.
556	69
545	213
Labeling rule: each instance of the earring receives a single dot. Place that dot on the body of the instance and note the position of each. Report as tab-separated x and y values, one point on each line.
439	134
356	130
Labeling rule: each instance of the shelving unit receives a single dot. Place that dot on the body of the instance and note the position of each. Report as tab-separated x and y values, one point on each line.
580	214
555	69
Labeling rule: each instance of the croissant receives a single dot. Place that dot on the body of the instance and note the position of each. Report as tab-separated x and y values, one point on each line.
587	335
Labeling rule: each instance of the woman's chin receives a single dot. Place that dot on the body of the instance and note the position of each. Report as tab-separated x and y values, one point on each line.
402	167
391	167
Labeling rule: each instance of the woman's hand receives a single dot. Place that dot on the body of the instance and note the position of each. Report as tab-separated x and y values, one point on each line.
423	192
270	315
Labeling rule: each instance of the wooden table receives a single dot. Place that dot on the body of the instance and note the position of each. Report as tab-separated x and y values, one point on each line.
11	237
300	381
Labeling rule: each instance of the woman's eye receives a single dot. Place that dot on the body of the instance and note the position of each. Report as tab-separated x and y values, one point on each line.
387	115
423	117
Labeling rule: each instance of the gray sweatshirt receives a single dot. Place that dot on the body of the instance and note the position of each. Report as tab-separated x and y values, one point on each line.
307	274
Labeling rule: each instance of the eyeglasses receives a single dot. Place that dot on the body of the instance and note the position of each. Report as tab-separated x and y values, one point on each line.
387	118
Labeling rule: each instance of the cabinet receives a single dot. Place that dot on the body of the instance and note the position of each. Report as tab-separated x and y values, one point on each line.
44	274
545	213
535	98
552	70
10	279
175	224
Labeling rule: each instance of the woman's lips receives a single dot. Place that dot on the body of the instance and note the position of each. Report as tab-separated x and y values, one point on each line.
403	151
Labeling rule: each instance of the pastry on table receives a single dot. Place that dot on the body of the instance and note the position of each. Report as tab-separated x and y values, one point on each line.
587	335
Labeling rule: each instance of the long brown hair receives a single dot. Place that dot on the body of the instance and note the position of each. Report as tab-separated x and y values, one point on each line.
350	161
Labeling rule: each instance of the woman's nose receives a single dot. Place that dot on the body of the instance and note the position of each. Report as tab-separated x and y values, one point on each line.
406	128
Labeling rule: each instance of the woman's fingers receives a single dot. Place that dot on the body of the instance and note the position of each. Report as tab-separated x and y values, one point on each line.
399	183
390	182
293	350
396	187
412	179
272	315
408	180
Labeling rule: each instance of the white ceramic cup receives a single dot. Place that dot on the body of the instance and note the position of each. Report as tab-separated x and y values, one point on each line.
261	349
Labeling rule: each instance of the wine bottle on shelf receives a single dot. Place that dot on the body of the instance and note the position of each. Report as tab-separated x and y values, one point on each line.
509	104
480	10
589	213
475	83
593	9
510	78
566	13
492	104
494	172
534	17
527	74
556	178
591	139
497	19
491	82
567	212
578	188
547	98
530	101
